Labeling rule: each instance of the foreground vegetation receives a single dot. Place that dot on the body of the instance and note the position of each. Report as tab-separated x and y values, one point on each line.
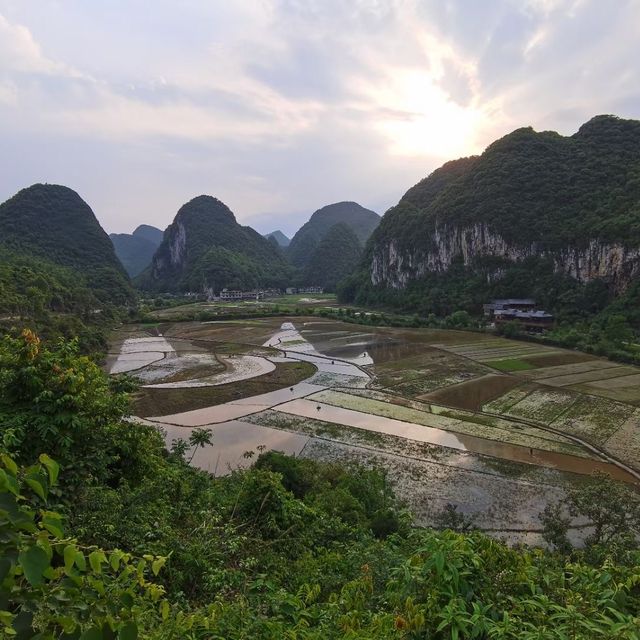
103	533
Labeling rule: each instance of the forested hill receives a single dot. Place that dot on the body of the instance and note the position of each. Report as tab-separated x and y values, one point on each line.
135	250
362	222
573	202
335	258
206	249
52	224
152	234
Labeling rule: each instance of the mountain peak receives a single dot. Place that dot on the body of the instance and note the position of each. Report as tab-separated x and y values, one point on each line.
279	237
205	248
52	222
206	206
361	221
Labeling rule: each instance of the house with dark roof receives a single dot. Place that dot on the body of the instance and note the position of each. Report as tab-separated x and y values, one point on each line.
520	310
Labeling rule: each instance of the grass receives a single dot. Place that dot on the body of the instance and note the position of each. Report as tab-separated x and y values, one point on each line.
160	402
510	364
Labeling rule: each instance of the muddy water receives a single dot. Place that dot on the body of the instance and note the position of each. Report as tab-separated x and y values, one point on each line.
339	343
432	435
230	442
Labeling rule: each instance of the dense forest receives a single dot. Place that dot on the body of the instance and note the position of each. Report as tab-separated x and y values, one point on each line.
205	248
531	187
53	223
335	258
361	221
105	534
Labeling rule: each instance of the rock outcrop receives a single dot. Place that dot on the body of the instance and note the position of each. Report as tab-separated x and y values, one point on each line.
574	201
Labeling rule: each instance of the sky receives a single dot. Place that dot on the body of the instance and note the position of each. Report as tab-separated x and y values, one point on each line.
279	107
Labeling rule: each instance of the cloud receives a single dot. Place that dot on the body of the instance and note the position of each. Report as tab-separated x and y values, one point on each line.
282	106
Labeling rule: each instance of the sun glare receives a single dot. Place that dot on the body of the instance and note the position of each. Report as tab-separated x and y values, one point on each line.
420	119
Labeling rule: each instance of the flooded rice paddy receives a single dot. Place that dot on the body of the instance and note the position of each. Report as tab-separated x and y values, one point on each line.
478	405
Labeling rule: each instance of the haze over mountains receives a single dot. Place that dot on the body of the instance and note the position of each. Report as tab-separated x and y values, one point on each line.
534	210
279	237
136	249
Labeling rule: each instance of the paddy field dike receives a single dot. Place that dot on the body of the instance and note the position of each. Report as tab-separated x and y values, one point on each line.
499	428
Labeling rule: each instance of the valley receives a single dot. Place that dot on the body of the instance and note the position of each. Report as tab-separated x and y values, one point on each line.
498	427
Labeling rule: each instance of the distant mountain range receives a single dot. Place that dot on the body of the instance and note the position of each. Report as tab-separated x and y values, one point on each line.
279	237
135	250
205	249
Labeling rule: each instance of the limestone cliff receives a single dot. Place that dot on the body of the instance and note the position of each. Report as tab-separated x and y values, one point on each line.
206	250
573	200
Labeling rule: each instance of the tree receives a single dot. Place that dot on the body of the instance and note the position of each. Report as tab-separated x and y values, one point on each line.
617	330
54	401
53	587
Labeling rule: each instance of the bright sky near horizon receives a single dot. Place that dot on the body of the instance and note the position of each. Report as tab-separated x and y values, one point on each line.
278	107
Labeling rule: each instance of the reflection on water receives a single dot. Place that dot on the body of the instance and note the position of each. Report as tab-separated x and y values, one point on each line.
432	435
350	345
232	440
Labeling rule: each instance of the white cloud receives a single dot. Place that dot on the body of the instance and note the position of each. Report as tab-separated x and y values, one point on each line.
284	105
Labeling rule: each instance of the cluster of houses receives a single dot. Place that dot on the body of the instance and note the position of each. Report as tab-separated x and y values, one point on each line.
520	310
260	294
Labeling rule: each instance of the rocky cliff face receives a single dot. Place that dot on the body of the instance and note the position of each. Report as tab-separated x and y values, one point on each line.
205	249
574	200
395	267
177	244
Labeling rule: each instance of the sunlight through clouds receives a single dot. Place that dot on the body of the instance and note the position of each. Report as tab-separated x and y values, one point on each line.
283	106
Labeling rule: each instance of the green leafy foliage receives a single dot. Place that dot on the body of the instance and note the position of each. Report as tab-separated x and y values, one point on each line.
53	587
152	548
54	401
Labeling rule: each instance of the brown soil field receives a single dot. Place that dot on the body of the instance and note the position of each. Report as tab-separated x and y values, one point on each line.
554	359
159	402
473	394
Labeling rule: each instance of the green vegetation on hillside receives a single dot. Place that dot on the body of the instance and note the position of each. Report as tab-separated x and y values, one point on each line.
108	535
205	248
335	258
362	222
530	187
55	301
52	223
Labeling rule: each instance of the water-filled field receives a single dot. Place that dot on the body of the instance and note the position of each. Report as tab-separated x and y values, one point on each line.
498	427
